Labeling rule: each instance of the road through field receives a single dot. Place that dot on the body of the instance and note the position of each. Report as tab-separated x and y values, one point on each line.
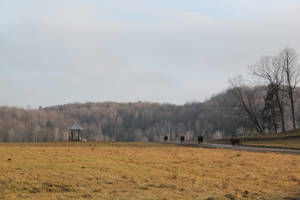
246	148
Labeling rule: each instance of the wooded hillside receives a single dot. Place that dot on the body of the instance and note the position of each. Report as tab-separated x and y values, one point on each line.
111	121
221	116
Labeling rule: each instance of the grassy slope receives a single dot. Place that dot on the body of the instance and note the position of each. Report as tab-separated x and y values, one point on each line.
289	144
143	171
290	139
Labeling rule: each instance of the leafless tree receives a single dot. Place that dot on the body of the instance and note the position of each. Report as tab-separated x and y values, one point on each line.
269	70
248	101
290	67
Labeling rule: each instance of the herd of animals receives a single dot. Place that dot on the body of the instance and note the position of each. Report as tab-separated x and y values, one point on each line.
200	138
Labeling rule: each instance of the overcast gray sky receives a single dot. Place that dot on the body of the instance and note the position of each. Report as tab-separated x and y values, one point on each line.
64	51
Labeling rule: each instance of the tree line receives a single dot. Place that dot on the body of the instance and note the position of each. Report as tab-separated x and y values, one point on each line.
111	121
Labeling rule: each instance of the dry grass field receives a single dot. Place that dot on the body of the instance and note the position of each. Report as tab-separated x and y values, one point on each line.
143	171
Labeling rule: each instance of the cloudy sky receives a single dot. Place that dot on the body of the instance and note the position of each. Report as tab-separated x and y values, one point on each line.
64	51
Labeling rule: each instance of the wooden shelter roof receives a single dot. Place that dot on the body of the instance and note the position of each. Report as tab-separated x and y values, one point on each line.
75	127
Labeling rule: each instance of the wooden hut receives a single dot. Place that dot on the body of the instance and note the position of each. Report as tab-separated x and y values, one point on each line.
74	132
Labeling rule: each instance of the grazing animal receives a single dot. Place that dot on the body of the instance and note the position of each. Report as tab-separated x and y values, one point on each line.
200	139
166	138
182	139
235	141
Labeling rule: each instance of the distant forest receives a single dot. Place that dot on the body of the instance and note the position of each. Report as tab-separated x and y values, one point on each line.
269	106
124	121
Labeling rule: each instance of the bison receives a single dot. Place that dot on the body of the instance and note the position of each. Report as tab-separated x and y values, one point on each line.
235	141
166	138
200	139
182	139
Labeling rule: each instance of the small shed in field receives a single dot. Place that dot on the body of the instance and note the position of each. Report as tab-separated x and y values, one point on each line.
74	132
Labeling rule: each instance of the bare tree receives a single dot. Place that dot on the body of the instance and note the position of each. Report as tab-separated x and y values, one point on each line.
290	67
248	101
269	70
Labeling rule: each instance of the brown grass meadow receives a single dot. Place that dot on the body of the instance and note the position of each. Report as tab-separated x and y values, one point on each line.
143	171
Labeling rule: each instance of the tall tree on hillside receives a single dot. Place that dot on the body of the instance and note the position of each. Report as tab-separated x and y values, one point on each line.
271	111
289	62
269	70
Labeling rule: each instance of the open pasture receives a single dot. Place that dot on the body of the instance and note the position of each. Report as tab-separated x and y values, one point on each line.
143	171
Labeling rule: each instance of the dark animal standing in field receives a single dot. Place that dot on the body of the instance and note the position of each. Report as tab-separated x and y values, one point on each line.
182	139
235	141
200	139
166	138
